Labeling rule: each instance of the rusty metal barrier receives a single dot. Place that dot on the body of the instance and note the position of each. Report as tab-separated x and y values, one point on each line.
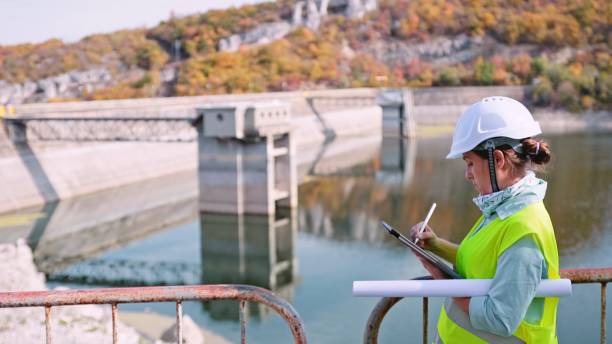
601	276
178	294
577	276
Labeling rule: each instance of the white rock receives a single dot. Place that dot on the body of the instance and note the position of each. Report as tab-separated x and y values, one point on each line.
297	14
266	33
191	332
70	324
313	18
230	44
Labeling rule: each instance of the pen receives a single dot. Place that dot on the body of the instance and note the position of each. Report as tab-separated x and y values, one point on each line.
431	210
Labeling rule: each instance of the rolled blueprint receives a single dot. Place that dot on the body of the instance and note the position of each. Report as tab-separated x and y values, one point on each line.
451	288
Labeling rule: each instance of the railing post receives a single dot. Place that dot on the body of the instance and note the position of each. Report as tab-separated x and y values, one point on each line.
378	314
179	322
243	320
114	317
425	318
603	312
48	328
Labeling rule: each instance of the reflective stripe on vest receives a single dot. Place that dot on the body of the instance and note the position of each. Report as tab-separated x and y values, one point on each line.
477	258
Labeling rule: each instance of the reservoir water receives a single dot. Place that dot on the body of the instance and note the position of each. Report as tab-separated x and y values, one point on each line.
311	256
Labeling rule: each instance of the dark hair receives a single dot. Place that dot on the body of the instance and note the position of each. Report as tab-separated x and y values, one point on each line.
538	151
534	152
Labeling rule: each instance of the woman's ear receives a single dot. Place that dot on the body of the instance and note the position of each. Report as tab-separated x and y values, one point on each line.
500	159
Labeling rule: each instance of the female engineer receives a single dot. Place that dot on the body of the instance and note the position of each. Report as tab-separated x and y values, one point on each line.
513	242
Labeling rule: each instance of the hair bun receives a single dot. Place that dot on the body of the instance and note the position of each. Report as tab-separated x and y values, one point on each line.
538	151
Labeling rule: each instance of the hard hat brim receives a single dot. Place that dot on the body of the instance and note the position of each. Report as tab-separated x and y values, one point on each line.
529	130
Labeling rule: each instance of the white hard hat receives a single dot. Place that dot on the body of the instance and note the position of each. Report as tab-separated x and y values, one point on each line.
489	118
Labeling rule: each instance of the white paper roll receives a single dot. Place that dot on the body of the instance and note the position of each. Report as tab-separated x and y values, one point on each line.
451	288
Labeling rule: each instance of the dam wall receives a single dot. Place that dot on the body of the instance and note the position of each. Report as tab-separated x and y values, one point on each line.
38	172
443	105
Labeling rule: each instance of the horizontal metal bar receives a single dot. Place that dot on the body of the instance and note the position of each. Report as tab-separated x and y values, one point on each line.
578	276
159	294
133	295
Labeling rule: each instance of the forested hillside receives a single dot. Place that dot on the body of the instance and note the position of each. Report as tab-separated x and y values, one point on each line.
560	47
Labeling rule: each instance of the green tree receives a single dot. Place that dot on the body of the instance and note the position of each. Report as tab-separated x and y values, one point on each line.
483	72
448	76
567	96
543	92
150	57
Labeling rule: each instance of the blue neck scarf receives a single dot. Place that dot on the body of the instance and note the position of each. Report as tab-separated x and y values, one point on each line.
508	201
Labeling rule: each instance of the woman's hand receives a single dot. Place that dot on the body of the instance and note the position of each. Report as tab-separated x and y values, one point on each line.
430	241
427	240
433	270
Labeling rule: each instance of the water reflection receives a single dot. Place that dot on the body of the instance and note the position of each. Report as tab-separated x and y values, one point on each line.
349	208
78	229
397	162
130	237
248	249
340	157
579	192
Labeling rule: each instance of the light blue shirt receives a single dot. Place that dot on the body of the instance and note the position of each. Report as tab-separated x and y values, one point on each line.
519	269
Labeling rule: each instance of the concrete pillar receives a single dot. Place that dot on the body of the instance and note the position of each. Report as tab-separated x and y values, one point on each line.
398	112
246	159
285	171
16	130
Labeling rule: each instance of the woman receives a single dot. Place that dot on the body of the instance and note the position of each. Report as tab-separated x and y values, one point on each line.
513	242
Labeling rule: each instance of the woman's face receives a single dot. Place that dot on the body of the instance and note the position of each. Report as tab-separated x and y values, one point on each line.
477	172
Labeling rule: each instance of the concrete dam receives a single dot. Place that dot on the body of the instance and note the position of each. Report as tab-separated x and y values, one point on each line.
57	160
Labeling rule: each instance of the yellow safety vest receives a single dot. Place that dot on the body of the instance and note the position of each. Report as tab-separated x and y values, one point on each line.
477	258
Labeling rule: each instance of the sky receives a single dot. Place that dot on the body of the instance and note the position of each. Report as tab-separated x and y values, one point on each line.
35	21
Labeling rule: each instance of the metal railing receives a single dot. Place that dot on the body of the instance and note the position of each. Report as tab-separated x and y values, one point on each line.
178	294
577	276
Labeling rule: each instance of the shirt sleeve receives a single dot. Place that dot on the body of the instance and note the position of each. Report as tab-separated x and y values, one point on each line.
519	272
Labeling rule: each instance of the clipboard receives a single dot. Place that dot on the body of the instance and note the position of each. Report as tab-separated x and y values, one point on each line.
430	257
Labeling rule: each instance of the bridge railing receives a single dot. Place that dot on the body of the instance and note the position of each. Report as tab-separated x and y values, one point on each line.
147	129
577	276
170	128
177	294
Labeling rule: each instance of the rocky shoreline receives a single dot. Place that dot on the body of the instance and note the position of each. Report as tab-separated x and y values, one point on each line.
78	324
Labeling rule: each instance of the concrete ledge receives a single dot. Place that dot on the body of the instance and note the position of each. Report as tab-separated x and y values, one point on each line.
182	105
